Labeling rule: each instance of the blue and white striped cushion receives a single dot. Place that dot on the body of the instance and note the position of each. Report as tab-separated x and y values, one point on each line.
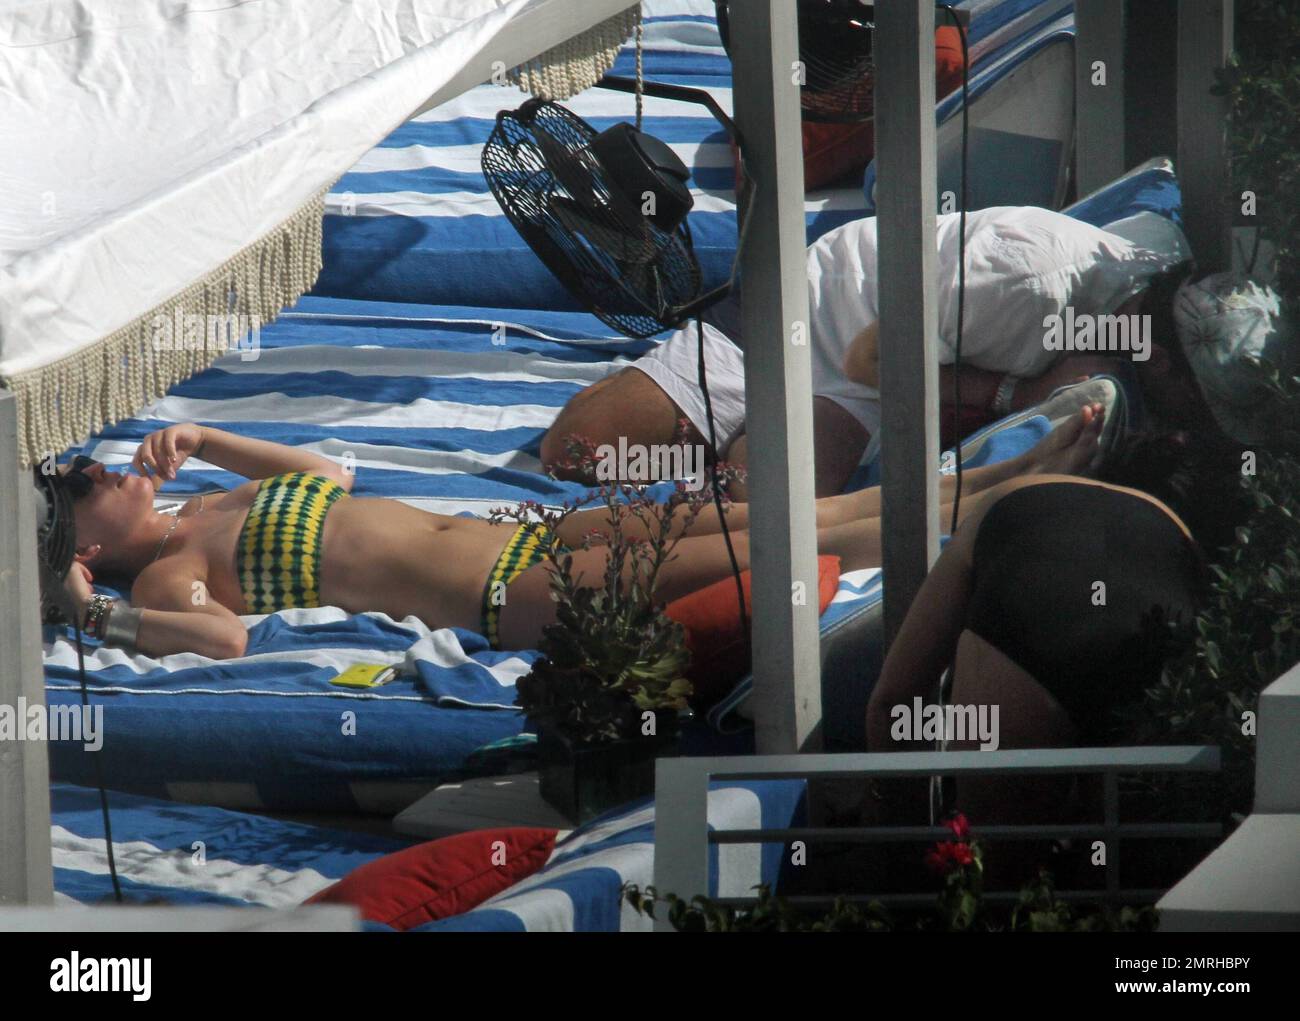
579	888
414	220
188	854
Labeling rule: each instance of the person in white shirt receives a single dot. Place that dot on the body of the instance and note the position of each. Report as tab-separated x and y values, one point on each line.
1024	266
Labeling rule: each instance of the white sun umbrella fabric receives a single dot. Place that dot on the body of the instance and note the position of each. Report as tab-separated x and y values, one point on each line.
165	158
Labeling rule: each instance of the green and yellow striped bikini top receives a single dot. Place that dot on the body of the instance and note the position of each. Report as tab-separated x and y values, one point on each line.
279	546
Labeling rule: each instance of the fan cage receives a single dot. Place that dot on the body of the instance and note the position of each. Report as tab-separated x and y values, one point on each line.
632	275
55	537
843	92
835	50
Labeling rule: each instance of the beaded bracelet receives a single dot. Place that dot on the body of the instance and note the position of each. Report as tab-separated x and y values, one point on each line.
98	608
1002	398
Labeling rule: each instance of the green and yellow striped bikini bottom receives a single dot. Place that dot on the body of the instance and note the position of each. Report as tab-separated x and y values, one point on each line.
522	551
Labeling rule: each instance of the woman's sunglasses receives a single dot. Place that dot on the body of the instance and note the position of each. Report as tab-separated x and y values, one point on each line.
75	479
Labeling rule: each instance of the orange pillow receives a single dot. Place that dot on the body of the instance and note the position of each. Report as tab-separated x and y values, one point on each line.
947	60
715	636
441	878
833	151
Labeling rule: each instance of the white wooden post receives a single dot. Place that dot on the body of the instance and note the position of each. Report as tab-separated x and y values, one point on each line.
1204	41
25	872
1098	92
778	382
681	815
1277	755
909	368
1251	882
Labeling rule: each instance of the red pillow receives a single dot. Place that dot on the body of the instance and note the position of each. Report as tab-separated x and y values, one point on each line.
441	878
832	151
711	617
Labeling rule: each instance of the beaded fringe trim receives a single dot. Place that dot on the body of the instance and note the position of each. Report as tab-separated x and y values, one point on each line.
63	403
579	63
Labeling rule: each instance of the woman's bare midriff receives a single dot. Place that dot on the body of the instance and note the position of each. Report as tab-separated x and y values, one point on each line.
376	555
386	556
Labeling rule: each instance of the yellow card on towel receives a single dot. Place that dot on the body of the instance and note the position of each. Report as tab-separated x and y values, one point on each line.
365	675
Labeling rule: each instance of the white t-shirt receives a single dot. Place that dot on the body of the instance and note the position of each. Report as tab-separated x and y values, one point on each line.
1023	263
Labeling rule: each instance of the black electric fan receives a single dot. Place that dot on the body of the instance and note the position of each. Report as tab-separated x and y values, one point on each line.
839	74
605	211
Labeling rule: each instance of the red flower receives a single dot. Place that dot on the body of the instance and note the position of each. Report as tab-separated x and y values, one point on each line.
948	856
959	826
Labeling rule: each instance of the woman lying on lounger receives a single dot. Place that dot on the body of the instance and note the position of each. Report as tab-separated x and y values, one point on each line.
293	537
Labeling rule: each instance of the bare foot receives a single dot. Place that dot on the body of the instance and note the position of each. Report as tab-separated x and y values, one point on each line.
1070	447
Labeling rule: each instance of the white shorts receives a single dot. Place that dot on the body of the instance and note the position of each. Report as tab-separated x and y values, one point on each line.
674	366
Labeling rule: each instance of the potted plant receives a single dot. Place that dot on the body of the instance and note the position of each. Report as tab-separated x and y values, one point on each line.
609	692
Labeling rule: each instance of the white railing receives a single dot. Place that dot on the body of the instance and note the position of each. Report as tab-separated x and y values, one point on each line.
683	837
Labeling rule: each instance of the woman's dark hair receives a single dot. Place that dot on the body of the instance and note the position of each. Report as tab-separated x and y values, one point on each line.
1158	303
1197	476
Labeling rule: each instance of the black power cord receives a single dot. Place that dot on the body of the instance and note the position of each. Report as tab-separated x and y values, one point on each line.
716	482
961	262
936	790
56	537
99	771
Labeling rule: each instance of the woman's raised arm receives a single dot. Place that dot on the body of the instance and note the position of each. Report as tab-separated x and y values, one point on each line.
175	614
164	451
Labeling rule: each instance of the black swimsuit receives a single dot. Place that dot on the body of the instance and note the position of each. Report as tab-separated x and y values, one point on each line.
1039	555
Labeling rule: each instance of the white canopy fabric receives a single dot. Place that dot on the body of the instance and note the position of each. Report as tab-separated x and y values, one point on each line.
165	158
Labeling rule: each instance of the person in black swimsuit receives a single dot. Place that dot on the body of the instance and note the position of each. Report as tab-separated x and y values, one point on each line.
1050	603
1071	582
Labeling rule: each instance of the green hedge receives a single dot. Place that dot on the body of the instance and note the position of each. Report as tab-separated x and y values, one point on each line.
1244	638
1262	83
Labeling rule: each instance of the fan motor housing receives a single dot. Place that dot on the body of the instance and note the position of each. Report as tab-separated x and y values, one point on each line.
581	205
643	167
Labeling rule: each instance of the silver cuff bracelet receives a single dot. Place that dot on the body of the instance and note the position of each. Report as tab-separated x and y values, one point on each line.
123	626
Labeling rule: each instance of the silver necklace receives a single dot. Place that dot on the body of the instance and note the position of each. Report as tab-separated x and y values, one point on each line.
175	521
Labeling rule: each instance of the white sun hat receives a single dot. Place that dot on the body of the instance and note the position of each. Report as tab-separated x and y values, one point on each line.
1226	324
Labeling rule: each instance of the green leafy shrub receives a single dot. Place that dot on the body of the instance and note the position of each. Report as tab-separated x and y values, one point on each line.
1245	636
1263	92
612	653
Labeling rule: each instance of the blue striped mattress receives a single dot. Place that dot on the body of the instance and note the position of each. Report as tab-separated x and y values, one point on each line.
199	855
414	219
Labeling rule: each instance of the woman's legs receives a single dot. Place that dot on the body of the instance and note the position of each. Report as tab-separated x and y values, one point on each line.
1027	717
1066	450
698	561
